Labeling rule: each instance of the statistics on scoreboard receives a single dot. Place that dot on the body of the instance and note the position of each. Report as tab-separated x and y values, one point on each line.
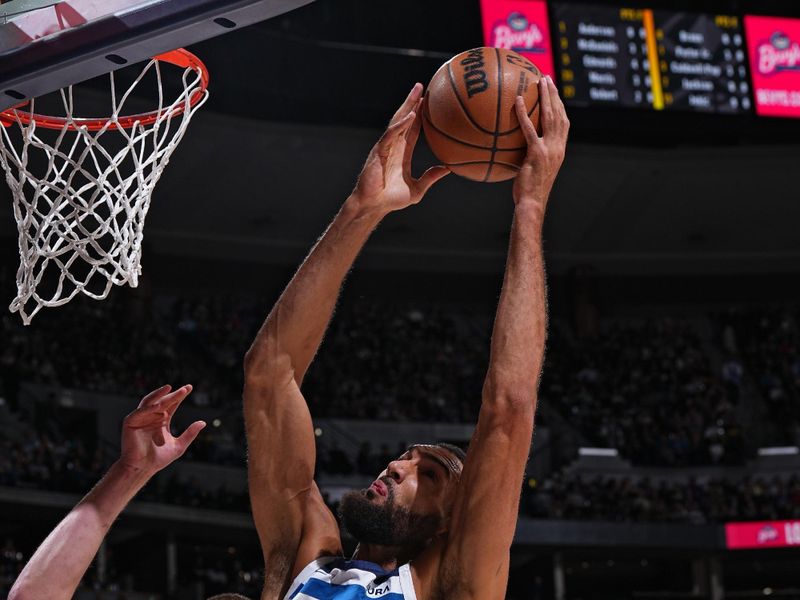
702	63
662	60
602	55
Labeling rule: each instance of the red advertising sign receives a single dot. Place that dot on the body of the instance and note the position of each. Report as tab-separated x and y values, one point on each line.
763	534
521	26
775	64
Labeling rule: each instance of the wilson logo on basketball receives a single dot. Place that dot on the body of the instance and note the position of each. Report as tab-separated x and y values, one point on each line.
518	34
474	72
778	54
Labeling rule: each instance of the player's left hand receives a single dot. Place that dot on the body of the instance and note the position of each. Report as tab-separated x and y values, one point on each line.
147	443
546	152
386	182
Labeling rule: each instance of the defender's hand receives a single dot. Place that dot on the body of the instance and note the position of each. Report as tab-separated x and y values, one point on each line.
546	153
386	182
147	444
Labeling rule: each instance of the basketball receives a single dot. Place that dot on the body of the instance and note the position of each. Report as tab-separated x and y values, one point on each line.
468	113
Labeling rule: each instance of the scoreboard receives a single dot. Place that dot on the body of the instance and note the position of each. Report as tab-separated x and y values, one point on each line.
652	59
602	56
663	60
703	62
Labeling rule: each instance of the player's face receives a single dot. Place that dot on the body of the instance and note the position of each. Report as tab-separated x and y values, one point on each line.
409	502
421	480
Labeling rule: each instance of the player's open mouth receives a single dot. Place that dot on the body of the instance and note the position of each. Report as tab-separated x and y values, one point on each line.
379	488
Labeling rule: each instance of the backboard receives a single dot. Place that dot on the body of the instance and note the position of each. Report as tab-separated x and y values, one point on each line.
48	44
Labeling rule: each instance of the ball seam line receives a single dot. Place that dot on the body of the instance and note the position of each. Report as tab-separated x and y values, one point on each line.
429	119
426	115
496	113
482	162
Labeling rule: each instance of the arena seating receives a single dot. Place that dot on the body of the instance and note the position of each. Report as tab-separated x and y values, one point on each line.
652	388
665	393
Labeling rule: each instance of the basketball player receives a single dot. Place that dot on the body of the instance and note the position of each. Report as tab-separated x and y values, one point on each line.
434	524
58	565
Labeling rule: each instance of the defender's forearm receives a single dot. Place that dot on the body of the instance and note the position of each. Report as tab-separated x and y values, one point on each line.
57	566
297	323
520	328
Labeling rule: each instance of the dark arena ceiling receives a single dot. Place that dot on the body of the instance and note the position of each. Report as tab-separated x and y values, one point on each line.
347	62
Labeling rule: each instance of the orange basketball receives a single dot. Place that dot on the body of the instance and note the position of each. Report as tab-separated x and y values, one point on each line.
468	112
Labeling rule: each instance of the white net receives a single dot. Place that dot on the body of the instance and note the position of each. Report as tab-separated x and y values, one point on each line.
81	197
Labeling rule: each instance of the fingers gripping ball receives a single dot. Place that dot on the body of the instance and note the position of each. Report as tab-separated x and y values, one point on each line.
468	112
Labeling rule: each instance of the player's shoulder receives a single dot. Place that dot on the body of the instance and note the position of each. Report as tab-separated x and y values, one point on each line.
426	571
437	579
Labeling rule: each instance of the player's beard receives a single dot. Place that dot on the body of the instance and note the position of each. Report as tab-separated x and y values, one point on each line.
384	524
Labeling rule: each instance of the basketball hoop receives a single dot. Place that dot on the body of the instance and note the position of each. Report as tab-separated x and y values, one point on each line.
80	216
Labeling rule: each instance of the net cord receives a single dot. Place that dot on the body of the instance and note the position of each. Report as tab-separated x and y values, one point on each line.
84	211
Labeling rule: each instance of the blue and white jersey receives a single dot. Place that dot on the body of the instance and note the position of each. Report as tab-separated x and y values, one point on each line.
333	578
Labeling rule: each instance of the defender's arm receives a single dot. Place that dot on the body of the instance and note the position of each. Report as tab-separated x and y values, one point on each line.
476	557
57	566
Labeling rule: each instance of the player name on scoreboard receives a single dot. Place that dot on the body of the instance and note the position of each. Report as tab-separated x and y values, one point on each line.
654	58
602	56
702	60
651	59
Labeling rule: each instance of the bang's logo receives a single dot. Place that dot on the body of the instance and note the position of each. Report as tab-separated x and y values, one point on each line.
778	54
517	33
767	534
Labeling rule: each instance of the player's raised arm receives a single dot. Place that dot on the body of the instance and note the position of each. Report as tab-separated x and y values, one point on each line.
57	566
484	517
293	523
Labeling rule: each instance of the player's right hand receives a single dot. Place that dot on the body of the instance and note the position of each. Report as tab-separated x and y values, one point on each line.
546	153
147	443
385	182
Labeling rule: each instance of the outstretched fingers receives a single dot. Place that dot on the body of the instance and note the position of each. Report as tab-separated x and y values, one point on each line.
525	123
412	135
158	407
146	418
546	106
394	133
561	122
172	401
429	177
175	398
155	395
408	104
187	437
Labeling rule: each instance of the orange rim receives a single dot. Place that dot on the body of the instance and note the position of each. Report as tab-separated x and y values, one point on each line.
180	58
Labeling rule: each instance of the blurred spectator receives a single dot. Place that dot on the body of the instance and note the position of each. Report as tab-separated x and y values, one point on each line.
11	563
642	500
44	463
769	342
645	387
